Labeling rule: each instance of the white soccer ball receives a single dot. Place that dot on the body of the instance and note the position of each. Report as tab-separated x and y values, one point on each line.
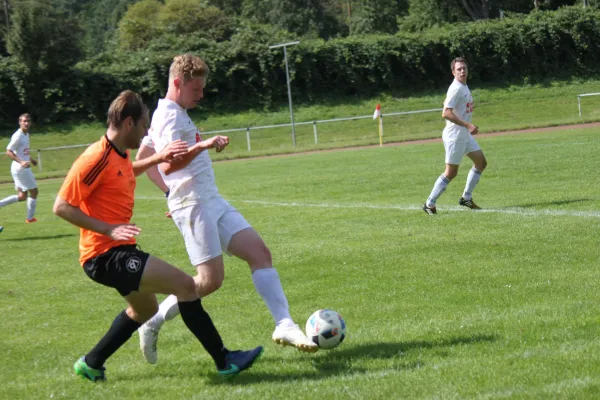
326	328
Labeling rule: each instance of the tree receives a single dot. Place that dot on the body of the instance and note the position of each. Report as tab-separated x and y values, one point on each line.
100	19
43	43
303	17
190	16
479	9
139	25
377	16
43	38
423	14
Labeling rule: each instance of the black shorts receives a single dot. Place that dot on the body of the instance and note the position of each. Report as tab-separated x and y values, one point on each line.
121	268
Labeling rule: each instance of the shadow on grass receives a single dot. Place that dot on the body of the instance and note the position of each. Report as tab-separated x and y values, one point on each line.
549	203
326	364
38	237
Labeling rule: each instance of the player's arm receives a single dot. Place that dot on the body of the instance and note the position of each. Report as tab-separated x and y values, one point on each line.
216	142
11	152
13	156
78	218
172	152
152	172
453	98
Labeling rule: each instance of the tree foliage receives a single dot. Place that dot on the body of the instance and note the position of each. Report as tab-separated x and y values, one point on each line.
139	24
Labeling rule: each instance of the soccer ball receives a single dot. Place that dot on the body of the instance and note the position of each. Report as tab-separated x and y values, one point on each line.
326	328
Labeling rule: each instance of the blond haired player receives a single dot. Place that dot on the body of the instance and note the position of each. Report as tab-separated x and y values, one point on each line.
458	139
20	169
209	224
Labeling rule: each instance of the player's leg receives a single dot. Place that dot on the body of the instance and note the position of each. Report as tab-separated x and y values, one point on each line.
242	241
161	277
20	196
27	183
121	268
198	227
31	205
141	307
476	155
454	153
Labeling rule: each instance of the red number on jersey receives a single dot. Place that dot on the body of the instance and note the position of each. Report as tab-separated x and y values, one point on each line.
198	137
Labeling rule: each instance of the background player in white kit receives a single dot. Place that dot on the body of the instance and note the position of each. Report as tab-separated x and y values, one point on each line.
20	169
458	139
208	223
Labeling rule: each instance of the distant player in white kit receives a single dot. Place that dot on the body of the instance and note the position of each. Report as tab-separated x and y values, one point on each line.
20	169
207	222
458	139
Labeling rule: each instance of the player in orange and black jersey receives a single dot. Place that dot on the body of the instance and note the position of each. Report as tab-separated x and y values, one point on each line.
98	196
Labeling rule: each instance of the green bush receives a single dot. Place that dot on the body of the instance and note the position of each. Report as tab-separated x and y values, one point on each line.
246	74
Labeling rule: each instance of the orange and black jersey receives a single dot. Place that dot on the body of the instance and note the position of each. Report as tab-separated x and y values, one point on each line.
101	183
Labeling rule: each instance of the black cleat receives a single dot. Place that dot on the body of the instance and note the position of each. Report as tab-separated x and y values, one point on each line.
429	210
468	203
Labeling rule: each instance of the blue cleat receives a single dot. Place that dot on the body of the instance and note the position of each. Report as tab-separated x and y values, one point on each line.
238	361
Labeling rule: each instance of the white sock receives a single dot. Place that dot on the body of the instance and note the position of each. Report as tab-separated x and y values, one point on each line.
167	310
31	203
9	200
438	188
267	284
472	180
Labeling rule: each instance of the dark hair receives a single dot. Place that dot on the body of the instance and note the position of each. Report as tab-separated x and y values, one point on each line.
127	104
456	60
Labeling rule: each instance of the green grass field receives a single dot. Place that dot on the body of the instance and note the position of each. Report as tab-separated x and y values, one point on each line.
496	304
496	109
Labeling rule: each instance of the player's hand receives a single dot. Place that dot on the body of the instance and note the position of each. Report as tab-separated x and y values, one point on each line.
34	162
168	215
217	142
174	150
473	130
25	164
123	232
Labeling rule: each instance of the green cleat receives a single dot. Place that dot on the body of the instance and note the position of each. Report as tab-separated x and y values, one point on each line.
87	372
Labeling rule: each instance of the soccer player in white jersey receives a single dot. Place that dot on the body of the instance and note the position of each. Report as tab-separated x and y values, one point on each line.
20	169
458	139
208	223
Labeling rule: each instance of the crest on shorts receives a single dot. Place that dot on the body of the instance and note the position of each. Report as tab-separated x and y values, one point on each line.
133	264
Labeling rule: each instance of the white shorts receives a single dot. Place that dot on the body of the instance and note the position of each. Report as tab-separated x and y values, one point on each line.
456	149
208	228
24	179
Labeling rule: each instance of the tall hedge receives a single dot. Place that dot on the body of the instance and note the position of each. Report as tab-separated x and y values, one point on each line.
244	73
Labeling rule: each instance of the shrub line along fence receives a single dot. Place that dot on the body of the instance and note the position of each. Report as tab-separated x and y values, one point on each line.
248	129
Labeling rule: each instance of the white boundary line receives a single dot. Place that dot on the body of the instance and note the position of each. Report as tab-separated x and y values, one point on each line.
508	211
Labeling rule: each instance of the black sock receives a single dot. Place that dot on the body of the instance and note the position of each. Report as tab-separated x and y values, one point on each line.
198	321
120	331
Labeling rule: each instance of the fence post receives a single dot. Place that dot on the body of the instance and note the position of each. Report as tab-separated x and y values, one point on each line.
39	160
579	104
381	127
315	131
248	138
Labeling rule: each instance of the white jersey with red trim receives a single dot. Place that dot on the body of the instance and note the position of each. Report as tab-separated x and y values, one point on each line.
460	100
196	182
19	144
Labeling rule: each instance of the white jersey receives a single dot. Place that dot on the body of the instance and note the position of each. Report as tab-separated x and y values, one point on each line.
460	100
19	144
195	183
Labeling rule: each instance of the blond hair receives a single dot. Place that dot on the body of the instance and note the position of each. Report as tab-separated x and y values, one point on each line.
187	67
126	104
26	115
